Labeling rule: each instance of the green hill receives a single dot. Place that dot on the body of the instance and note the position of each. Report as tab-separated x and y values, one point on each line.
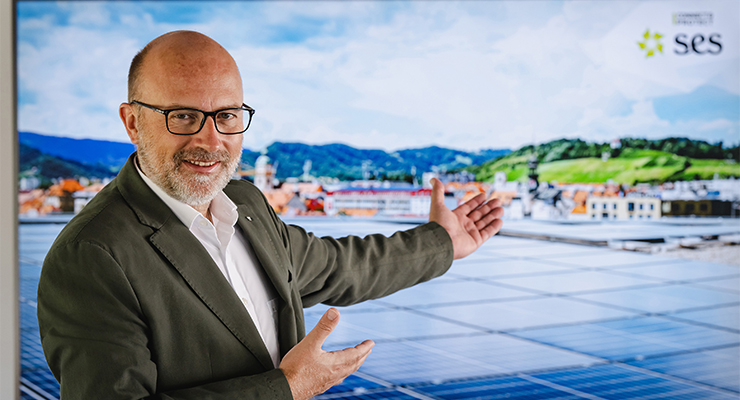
31	162
569	149
630	166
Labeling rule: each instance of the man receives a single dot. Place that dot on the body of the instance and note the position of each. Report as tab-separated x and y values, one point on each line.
174	283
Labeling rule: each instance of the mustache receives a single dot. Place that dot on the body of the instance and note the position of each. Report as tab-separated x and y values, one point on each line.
201	155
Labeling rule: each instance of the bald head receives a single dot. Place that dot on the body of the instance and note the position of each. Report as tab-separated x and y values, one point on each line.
179	54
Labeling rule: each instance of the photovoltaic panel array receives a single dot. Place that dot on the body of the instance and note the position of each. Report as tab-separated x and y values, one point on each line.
519	319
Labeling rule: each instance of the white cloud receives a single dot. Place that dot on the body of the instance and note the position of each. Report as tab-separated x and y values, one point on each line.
77	80
93	14
384	75
717	124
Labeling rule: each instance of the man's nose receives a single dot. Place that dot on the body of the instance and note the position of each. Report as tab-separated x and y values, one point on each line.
209	137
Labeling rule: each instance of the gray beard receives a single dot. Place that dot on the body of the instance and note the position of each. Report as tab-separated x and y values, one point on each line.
191	189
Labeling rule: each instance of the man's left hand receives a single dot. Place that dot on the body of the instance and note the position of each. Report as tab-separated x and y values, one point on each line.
470	224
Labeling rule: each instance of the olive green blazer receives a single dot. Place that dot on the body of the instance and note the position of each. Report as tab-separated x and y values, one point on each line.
131	306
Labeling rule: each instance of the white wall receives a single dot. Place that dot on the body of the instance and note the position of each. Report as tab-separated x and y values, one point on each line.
9	325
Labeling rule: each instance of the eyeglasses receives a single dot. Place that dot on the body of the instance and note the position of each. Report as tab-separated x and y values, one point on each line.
189	121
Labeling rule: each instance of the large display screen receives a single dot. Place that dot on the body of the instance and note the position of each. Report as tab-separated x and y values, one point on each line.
615	122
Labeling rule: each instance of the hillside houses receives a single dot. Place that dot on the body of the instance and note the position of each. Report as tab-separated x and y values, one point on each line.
313	196
64	196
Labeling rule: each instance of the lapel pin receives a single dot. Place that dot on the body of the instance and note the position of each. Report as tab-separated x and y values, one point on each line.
249	218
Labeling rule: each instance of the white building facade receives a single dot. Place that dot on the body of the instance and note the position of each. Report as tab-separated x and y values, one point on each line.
623	208
387	202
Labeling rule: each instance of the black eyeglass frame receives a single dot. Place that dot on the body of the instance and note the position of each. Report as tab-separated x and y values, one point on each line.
206	114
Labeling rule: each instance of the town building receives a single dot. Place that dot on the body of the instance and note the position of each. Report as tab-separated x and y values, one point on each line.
264	173
707	198
623	208
379	201
700	208
82	197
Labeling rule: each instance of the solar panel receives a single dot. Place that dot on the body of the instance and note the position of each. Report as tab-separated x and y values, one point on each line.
717	368
520	319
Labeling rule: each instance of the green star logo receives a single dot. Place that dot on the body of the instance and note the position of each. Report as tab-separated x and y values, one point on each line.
651	43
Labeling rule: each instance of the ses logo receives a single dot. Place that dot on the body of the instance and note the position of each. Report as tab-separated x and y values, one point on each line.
684	44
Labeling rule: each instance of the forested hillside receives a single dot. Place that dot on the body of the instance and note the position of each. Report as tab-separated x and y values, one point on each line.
634	160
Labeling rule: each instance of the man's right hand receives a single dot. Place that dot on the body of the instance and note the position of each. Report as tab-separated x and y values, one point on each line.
311	370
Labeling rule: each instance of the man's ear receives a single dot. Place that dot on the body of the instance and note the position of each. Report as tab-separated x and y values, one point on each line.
130	121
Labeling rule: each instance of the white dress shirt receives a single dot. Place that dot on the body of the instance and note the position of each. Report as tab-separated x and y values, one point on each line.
235	258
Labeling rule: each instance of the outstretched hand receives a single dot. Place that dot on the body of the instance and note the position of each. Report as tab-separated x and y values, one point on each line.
311	370
470	224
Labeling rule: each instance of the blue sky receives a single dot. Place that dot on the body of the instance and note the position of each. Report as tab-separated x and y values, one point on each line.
393	75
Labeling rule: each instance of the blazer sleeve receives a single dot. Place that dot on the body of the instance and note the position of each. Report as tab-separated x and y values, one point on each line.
352	269
95	336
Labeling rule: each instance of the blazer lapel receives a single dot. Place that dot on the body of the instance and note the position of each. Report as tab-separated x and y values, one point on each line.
195	265
264	244
265	250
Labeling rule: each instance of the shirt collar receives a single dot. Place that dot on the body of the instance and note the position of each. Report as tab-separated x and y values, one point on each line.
222	208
